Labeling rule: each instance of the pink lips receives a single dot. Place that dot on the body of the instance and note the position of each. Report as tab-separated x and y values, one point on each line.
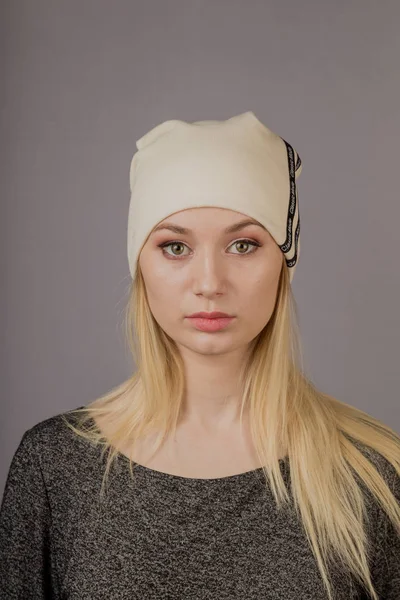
211	325
211	315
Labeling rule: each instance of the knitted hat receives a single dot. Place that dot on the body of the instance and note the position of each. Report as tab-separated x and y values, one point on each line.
237	164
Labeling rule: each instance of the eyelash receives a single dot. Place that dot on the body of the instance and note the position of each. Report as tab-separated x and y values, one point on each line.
166	244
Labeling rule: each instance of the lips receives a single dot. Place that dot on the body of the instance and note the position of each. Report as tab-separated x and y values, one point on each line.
211	325
210	315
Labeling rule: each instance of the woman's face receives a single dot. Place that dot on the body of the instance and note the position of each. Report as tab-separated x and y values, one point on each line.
209	269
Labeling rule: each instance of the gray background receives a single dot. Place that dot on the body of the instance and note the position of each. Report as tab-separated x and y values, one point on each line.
85	79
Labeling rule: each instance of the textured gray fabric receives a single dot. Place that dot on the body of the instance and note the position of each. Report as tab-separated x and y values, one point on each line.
161	536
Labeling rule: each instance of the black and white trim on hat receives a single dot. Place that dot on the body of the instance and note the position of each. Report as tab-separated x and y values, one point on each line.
292	208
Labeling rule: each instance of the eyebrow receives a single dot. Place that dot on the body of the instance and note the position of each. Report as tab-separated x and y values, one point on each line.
231	229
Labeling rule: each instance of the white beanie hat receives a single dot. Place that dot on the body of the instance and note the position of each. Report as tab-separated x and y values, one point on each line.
237	164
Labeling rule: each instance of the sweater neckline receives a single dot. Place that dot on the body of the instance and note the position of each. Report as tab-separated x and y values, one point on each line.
162	475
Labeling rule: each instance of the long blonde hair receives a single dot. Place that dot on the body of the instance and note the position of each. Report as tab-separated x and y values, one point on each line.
320	434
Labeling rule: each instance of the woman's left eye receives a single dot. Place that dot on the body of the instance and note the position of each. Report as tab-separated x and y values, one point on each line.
176	243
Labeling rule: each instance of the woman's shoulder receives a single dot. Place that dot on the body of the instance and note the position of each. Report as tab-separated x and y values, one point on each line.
56	449
384	466
51	486
50	432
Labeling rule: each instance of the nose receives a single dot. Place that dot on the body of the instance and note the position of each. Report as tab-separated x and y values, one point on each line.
208	273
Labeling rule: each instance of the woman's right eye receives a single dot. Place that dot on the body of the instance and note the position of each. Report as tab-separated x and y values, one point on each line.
168	244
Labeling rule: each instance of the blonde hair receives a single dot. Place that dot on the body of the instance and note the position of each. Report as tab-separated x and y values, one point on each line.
321	435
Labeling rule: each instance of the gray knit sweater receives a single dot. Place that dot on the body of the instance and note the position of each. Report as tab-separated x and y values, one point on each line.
162	536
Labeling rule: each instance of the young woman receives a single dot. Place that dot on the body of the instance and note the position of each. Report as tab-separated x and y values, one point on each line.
228	474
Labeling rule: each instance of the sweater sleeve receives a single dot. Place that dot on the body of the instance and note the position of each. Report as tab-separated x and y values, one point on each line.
388	554
25	572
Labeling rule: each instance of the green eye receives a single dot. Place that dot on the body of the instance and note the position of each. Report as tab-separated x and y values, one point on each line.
175	243
242	242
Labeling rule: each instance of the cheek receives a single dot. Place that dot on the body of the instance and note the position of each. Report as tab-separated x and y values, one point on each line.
163	298
261	300
160	295
260	295
264	278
